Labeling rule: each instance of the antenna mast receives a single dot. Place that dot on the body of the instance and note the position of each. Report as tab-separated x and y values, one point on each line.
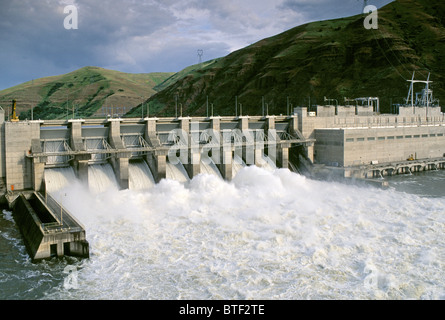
426	94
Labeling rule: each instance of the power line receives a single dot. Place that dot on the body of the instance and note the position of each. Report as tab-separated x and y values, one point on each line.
394	54
383	52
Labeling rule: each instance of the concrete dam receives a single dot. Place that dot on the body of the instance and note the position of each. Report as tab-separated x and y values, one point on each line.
155	148
41	156
348	141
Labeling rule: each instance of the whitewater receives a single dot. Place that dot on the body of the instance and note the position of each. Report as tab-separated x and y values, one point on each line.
267	234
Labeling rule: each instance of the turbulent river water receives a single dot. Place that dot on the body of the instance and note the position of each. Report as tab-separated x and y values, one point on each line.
267	234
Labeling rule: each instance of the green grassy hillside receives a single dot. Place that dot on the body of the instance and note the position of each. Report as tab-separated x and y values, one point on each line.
335	58
87	92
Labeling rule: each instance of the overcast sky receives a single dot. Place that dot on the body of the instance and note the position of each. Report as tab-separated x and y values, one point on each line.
142	36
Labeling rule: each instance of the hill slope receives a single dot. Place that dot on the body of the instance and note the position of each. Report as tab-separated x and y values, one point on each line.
335	58
83	92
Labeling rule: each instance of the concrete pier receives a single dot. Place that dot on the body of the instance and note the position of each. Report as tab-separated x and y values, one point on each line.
121	159
80	161
396	168
48	233
157	160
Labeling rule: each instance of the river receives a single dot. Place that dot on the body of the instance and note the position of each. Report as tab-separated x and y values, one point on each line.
267	234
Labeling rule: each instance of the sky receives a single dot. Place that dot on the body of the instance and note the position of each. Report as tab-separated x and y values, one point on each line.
40	38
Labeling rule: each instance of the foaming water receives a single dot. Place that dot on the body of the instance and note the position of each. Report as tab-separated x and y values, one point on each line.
267	163
264	235
237	164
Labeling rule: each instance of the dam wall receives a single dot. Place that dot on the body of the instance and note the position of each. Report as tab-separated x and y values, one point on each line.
183	147
192	144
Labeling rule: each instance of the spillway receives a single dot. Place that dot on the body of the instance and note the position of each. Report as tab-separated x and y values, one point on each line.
267	163
210	168
177	172
58	178
101	178
140	176
237	164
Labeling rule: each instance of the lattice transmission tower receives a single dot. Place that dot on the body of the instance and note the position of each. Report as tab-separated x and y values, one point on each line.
200	53
365	4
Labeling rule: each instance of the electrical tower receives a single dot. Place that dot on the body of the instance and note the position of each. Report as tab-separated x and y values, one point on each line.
365	4
200	53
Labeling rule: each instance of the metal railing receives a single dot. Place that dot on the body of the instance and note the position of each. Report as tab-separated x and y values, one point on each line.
99	148
57	151
64	220
381	122
135	143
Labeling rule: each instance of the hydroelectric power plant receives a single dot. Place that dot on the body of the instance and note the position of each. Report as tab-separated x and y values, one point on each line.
41	156
354	140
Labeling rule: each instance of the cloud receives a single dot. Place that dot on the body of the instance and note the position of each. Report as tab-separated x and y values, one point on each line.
314	10
143	35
